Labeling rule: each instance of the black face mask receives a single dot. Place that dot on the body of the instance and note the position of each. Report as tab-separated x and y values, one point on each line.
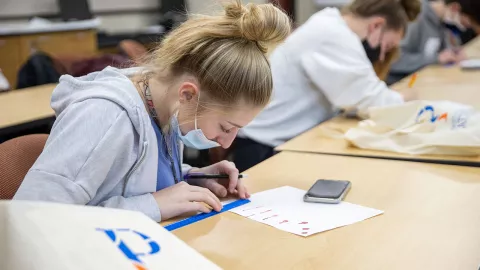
373	54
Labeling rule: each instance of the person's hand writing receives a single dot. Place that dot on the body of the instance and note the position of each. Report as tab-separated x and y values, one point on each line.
447	56
461	55
409	94
221	187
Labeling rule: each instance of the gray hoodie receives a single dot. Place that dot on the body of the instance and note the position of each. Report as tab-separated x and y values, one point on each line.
425	39
102	149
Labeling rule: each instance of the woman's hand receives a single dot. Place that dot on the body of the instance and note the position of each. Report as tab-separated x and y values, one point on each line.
409	94
221	187
183	198
461	56
446	57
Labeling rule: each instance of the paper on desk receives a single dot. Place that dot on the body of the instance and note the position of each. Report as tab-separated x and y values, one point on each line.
284	209
470	64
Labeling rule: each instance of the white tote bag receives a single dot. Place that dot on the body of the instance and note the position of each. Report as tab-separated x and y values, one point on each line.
53	236
420	128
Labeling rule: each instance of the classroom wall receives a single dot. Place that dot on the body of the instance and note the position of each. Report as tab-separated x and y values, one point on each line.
126	22
130	21
306	8
211	6
303	10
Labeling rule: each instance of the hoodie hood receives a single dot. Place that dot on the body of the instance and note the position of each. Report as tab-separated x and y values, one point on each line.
430	14
111	83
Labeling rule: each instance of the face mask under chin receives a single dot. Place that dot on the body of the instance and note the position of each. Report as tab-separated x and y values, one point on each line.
194	138
373	54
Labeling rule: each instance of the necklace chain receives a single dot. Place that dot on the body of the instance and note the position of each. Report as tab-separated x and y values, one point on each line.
148	98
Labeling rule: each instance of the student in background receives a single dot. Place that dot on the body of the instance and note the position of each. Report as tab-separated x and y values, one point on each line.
466	35
324	66
470	9
116	140
428	41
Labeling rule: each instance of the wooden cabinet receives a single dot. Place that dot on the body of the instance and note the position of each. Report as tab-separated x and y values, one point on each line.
10	58
15	50
75	42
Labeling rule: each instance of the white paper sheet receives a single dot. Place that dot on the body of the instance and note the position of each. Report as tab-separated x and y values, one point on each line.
284	209
470	64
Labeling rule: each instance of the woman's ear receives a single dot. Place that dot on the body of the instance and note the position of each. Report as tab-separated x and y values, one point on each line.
187	92
376	23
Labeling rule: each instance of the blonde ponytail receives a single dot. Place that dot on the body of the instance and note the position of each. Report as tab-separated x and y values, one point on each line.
226	53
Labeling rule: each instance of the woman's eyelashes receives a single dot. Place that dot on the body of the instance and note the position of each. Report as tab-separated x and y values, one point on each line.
225	129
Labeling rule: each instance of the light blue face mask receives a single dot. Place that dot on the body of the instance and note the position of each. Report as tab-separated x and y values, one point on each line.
195	138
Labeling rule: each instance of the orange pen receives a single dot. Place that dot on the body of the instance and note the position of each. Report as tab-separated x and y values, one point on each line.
413	79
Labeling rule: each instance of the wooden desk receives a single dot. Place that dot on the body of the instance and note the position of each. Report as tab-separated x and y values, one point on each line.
472	49
322	140
25	105
446	83
431	219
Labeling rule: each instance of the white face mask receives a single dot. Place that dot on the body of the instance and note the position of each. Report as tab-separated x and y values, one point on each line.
195	138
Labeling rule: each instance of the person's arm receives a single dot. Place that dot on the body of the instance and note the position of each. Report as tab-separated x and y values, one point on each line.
145	203
412	56
347	78
409	62
87	140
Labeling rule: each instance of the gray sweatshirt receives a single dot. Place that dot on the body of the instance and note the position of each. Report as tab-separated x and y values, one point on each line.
102	150
425	39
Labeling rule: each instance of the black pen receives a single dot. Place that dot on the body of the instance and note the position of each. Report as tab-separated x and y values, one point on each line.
210	176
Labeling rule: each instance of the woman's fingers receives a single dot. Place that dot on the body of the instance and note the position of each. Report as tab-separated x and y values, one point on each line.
217	188
242	190
232	171
193	207
204	195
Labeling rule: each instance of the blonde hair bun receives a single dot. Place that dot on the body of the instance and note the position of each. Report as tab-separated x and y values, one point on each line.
265	24
226	53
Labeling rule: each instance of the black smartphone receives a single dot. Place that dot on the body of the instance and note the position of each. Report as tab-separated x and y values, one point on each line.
327	191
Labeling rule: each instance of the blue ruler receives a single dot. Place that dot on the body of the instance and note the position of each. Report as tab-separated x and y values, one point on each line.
190	220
